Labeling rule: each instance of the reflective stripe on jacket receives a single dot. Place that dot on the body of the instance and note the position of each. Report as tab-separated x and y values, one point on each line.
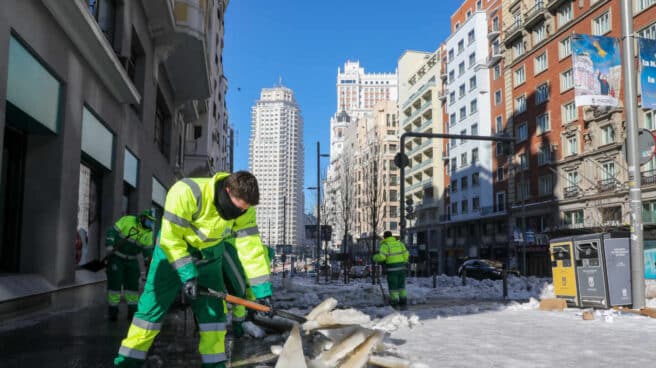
392	251
129	238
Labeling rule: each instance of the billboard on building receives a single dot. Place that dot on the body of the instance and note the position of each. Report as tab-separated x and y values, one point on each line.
647	72
597	70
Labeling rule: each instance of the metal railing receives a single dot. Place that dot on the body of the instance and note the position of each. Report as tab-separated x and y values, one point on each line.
571	191
606	185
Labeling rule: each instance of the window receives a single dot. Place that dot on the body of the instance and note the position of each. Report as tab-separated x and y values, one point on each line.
451	55
499	124
461	46
539	33
453	142
522	132
540	63
501	201
462	132
495	24
518	49
648	32
452	119
520	104
464	206
472	59
463	113
544	155
469	13
474	158
545	185
601	24
461	69
473	106
566	80
454	186
472	83
461	91
464	182
454	164
569	112
500	174
523	161
454	208
497	97
574	217
452	76
573	178
476	204
474	129
523	190
608	134
564	14
644	4
565	47
452	98
475	179
543	124
649	119
463	159
520	76
608	172
470	37
479	5
542	94
497	71
572	146
104	12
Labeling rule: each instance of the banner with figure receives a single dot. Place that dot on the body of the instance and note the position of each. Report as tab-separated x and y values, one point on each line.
597	70
647	72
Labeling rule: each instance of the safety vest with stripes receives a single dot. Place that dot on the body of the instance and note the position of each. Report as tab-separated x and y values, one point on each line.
393	253
127	238
191	220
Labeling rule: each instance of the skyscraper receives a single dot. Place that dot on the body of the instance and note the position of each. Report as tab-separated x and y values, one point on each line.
276	159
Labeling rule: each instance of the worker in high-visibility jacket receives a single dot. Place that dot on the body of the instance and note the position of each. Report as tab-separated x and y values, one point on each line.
129	237
394	255
199	214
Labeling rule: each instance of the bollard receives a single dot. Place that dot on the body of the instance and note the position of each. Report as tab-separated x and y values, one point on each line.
504	275
464	276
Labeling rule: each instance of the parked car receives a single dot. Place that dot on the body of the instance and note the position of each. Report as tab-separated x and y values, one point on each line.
484	269
359	271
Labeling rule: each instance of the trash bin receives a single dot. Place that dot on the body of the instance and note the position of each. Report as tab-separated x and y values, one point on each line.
603	269
563	270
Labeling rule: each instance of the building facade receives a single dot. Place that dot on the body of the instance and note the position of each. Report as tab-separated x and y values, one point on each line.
358	91
276	159
96	98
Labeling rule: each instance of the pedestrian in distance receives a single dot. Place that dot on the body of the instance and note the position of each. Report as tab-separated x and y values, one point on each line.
199	214
129	237
394	255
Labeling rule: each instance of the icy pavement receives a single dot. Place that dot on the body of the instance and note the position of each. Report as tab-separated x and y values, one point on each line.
448	326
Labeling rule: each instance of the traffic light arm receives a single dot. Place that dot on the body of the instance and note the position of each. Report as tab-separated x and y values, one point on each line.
401	160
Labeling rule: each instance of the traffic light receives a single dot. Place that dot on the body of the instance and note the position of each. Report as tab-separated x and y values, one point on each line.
401	160
409	210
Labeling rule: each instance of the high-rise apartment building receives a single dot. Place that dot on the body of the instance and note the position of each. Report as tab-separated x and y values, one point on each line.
276	159
358	92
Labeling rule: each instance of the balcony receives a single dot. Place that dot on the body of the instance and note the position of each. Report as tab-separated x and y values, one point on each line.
571	191
442	95
535	15
606	185
553	5
79	25
496	54
493	32
443	75
648	177
513	32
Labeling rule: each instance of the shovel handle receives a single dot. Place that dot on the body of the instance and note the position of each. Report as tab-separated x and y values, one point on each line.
246	303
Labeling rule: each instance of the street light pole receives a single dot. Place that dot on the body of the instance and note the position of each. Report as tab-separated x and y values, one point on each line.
318	206
635	194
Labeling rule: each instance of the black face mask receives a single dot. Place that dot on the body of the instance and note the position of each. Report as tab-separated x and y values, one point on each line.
224	206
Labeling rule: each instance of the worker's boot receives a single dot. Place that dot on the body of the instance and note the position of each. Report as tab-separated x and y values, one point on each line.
394	303
403	303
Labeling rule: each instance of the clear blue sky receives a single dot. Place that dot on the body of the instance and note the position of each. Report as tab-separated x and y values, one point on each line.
304	42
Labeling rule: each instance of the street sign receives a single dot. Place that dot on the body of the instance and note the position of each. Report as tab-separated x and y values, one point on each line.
646	146
401	160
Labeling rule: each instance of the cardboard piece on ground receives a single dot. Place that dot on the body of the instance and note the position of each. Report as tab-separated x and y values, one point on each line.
360	356
292	352
388	362
588	315
553	304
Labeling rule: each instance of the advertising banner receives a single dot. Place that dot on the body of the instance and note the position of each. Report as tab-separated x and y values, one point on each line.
647	72
597	70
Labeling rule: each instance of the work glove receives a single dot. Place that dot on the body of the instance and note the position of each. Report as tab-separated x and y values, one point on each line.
237	329
190	288
269	303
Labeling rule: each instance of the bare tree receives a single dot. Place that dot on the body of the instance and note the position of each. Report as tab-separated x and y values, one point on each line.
373	196
345	204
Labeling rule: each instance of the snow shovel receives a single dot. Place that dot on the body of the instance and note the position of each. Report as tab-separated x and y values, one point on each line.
251	305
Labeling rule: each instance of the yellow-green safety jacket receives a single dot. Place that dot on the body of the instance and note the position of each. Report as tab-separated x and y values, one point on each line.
191	224
127	238
393	253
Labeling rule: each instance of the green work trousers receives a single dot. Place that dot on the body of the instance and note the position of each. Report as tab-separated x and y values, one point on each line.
162	287
122	274
396	285
235	280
